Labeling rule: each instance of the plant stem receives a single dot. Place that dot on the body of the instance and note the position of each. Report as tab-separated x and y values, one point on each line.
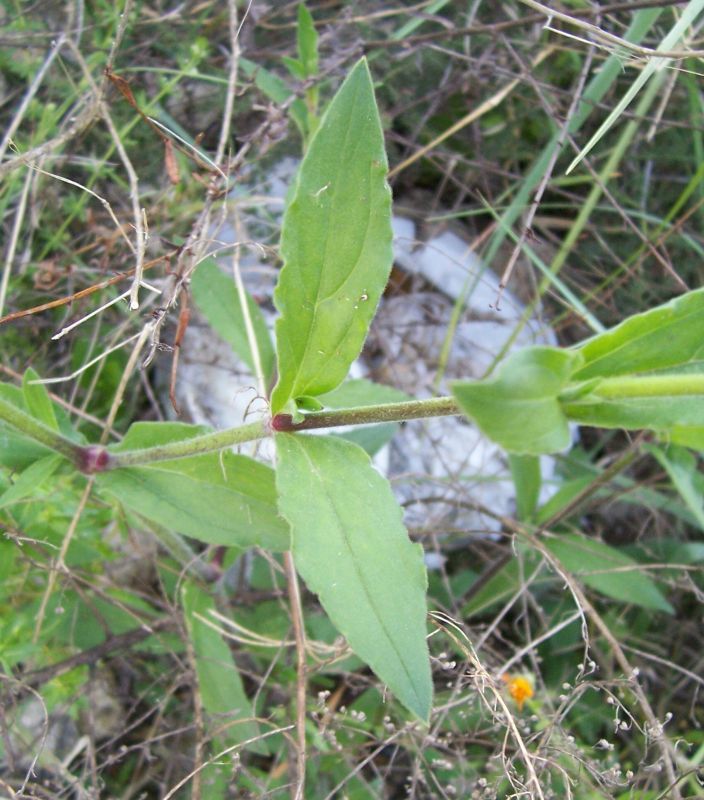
365	415
207	443
38	431
283	423
651	386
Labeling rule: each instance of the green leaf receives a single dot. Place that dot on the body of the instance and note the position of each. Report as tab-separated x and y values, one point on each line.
688	436
16	451
352	549
219	498
336	245
682	468
278	91
219	681
30	479
270	84
519	409
608	571
197	508
307	42
217	298
666	336
562	498
294	66
37	400
361	392
525	471
650	413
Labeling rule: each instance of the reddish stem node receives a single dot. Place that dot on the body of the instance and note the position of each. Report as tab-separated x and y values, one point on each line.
92	459
282	423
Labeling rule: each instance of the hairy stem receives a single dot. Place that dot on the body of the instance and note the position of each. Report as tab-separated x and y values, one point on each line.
209	442
283	423
38	431
365	415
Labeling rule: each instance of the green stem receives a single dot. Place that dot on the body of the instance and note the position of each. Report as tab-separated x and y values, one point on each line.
38	431
283	423
365	415
207	443
651	386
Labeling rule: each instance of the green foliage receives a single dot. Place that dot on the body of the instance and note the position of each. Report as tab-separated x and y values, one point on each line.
525	471
217	498
37	400
519	408
681	466
323	499
336	245
26	483
351	547
219	681
667	336
608	571
217	298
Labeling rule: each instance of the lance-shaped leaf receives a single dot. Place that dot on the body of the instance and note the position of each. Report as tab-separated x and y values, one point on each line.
652	413
216	296
218	498
681	466
336	246
352	549
17	451
664	337
219	680
37	399
30	479
607	570
520	409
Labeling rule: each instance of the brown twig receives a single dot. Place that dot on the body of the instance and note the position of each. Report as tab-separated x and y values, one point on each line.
118	643
62	301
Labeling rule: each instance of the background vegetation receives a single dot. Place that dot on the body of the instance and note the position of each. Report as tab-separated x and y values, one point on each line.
559	671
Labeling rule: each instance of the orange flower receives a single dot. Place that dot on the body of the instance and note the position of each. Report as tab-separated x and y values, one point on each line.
519	687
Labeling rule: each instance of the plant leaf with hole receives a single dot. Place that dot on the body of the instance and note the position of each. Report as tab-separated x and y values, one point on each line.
336	246
352	549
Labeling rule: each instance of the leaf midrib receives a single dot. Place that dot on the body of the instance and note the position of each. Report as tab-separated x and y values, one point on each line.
368	596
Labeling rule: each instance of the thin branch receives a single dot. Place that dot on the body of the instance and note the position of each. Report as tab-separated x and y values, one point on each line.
14	237
60	562
606	37
62	301
294	595
30	93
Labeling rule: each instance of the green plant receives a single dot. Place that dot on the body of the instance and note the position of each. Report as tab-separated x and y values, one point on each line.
324	500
